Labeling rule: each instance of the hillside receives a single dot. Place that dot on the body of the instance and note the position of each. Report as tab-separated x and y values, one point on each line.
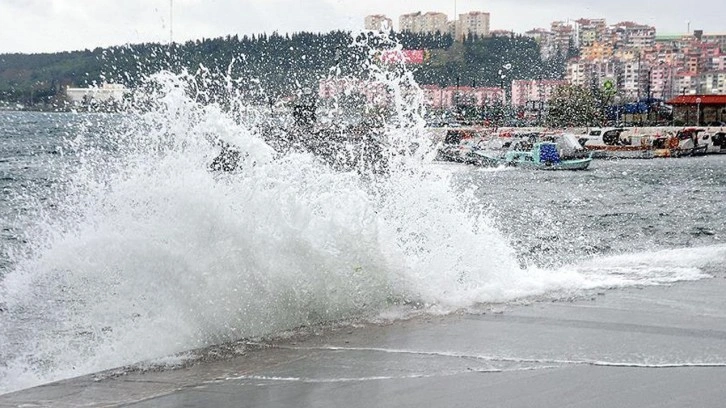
274	63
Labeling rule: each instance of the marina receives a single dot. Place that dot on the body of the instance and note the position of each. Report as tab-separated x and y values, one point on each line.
489	146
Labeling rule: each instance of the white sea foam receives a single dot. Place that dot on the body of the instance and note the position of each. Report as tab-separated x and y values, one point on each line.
155	254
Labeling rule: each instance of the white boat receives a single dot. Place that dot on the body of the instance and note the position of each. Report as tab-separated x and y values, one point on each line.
611	143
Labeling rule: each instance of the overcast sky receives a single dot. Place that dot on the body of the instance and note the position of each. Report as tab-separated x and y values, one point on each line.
31	26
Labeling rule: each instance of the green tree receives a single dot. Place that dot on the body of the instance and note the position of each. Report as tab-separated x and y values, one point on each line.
573	105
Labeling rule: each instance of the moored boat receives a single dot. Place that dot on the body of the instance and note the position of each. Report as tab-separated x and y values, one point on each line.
542	156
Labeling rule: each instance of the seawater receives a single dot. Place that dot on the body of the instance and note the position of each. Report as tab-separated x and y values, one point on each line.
119	245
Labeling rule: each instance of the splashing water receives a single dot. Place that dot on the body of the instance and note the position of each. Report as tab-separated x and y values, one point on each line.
151	254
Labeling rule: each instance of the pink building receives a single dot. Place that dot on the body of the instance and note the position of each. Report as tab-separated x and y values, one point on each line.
374	93
719	63
450	96
524	90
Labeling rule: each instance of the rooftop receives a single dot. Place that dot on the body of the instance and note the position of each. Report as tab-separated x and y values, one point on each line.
698	99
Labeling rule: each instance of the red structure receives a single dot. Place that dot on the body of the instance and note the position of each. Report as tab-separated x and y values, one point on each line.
699	110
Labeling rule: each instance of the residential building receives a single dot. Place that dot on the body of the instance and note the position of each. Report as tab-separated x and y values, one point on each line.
374	93
564	36
501	33
526	91
106	93
430	22
451	96
719	63
626	54
591	73
590	31
718	39
410	22
378	22
661	78
473	23
640	36
596	51
578	73
545	39
713	82
685	83
633	79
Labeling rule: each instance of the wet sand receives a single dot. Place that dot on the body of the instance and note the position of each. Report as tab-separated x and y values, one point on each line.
637	347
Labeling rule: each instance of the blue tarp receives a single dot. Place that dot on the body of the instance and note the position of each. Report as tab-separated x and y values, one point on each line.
548	153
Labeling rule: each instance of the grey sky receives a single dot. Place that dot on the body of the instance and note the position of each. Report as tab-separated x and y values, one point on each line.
63	25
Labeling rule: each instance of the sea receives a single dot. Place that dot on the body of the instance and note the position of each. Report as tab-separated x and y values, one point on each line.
119	245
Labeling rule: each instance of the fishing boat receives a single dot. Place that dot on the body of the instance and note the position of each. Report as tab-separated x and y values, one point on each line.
611	143
544	156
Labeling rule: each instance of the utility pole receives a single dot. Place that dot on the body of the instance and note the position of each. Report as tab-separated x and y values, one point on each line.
171	22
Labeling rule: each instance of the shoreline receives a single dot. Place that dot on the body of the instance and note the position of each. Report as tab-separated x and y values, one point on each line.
639	346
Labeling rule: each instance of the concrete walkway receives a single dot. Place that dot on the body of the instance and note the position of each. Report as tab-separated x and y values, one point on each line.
649	347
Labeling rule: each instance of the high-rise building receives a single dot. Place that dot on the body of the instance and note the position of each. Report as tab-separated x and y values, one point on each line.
564	36
378	22
430	22
472	23
590	31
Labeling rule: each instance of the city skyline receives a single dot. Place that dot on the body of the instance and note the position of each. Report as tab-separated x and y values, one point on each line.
33	26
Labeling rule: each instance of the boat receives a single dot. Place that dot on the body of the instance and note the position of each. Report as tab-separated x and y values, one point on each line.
609	143
542	156
685	142
714	138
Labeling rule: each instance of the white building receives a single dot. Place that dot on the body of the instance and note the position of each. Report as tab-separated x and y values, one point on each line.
640	36
685	83
632	79
545	39
713	82
719	63
524	91
428	23
472	23
104	94
378	22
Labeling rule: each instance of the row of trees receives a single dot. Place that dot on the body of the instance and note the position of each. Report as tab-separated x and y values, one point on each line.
275	64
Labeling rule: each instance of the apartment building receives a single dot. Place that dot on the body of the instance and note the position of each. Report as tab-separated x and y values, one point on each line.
713	82
564	35
685	83
430	22
596	51
660	81
524	91
590	31
632	79
719	63
579	73
718	39
450	96
472	23
640	36
378	22
545	39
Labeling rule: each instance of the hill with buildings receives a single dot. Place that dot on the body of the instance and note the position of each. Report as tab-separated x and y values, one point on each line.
276	64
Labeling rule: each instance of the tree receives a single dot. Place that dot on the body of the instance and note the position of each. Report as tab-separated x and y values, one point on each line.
573	105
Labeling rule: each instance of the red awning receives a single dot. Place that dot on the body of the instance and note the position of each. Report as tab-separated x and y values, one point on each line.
696	99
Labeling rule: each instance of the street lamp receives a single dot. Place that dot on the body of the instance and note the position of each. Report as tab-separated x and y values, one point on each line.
698	111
